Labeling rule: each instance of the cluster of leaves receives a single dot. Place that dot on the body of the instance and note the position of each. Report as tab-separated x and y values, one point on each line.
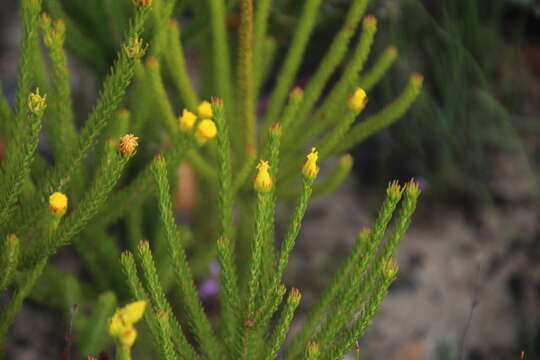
110	191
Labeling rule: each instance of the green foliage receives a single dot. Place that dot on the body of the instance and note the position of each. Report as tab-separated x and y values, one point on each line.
113	200
477	87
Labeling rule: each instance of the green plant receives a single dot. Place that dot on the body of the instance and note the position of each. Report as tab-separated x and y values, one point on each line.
472	106
111	210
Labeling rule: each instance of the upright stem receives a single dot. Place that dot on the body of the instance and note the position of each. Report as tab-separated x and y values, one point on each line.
246	100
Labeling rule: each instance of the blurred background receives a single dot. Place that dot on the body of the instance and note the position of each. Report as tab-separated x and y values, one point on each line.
469	285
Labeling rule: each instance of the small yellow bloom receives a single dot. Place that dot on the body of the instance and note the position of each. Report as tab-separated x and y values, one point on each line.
310	168
417	79
187	120
263	181
121	323
45	20
128	144
412	188
358	99
206	130
205	110
295	296
370	20
394	190
58	203
125	317
135	48
36	102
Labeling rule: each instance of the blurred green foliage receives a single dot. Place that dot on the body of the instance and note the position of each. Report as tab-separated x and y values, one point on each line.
471	109
477	84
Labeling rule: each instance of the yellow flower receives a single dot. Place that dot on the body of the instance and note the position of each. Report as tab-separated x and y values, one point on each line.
370	20
58	203
310	168
295	296
358	99
36	102
205	110
206	130
121	323
263	181
394	190
135	48
128	144
187	120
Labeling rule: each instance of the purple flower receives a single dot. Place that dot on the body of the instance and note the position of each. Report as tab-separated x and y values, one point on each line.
208	288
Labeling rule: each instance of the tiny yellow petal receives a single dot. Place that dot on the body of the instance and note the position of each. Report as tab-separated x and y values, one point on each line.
205	110
187	120
263	180
116	325
358	99
133	312
58	203
206	130
310	168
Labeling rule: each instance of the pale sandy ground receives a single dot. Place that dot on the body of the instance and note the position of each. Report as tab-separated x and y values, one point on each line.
446	262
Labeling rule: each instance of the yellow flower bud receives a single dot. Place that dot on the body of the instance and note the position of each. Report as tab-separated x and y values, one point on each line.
135	48
128	144
45	21
391	51
295	295
358	99
121	323
205	110
310	168
263	181
58	203
297	93
417	79
412	188
370	20
394	190
36	102
143	3
187	120
206	130
313	350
